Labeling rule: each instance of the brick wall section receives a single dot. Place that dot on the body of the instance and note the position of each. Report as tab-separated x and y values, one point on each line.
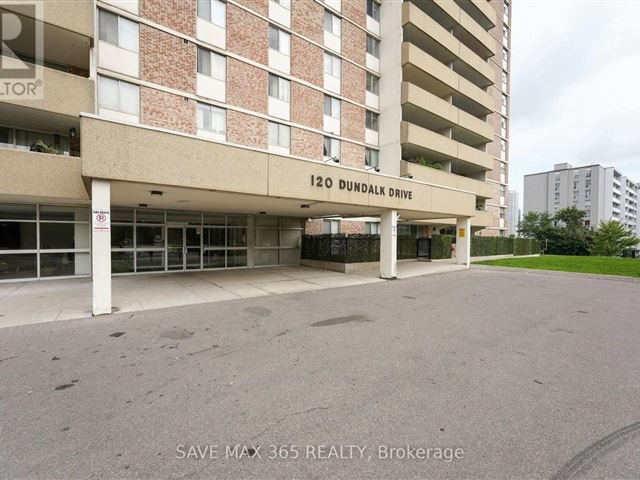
247	130
354	43
306	105
307	61
306	144
349	227
165	110
307	19
258	6
247	86
355	10
247	34
179	15
353	82
352	119
352	155
166	60
313	227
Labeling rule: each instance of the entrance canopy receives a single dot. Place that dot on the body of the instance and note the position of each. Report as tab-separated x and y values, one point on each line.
197	174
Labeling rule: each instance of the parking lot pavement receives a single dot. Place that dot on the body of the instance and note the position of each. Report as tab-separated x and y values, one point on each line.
493	374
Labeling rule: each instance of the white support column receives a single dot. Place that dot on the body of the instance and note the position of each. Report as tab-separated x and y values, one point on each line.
388	245
101	246
463	241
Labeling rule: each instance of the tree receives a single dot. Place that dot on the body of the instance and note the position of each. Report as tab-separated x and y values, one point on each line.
571	218
571	236
611	239
536	225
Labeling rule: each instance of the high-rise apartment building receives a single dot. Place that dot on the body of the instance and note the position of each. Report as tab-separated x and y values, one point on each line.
603	193
514	212
176	135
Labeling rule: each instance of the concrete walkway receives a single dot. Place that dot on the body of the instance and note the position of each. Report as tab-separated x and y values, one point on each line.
49	300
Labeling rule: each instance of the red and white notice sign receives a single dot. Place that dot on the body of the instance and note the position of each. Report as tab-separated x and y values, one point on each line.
101	220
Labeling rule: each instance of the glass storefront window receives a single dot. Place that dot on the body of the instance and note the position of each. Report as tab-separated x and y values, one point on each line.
150	216
64	214
121	236
290	256
266	221
149	237
267	256
236	258
64	264
64	236
121	215
267	237
217	220
18	236
10	211
214	237
149	261
18	265
237	237
290	238
122	262
189	218
236	220
213	259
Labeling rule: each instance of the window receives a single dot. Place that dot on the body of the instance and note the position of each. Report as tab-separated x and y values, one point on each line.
373	9
331	23
588	173
587	182
372	228
279	135
332	65
211	64
331	106
371	158
372	121
373	84
213	11
587	194
284	3
505	59
118	96
118	31
505	34
279	88
212	119
331	148
373	46
279	41
331	226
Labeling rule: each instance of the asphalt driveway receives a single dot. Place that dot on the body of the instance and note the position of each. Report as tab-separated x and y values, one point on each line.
474	374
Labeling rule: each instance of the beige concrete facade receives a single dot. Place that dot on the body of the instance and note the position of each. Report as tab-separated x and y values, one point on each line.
259	110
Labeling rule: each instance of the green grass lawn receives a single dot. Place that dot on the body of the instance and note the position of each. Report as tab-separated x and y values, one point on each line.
628	267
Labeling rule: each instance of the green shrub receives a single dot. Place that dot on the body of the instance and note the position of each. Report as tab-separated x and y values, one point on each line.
441	246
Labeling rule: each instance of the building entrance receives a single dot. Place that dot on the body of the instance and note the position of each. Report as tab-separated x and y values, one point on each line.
184	248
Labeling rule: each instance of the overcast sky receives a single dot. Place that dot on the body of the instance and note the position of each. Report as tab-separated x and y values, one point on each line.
575	86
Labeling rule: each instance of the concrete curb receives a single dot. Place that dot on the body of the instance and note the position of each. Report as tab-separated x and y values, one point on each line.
615	278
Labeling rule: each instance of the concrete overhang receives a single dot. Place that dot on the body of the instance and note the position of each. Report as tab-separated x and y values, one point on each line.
247	180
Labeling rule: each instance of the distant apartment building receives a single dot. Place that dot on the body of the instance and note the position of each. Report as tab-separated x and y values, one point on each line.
603	193
513	220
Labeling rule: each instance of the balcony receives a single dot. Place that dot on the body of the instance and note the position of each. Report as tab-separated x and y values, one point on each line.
424	32
64	94
430	74
28	174
450	16
71	15
481	11
446	179
429	111
465	159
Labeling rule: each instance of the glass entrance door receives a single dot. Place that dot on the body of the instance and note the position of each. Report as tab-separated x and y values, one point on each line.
184	250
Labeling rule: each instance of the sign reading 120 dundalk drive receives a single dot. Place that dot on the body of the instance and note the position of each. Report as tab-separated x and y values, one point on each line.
360	187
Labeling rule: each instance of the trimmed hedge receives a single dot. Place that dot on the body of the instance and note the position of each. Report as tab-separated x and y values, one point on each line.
441	246
361	248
